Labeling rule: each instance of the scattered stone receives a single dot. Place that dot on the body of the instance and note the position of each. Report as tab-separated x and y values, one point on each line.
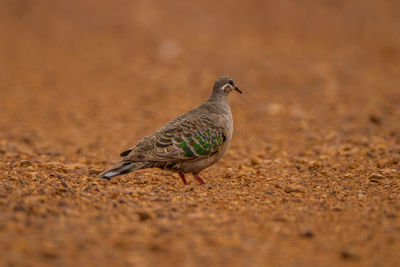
64	184
376	176
245	170
49	254
25	163
20	207
349	255
294	188
375	119
84	160
306	232
256	161
94	172
371	154
141	180
143	216
280	218
294	179
48	153
62	189
114	194
361	196
391	214
337	208
192	204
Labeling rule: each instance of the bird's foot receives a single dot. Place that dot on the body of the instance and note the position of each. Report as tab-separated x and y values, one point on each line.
197	177
183	178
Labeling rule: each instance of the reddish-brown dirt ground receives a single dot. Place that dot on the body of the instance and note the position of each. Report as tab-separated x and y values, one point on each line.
312	177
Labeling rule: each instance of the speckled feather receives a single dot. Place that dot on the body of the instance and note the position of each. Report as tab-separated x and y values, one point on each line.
184	138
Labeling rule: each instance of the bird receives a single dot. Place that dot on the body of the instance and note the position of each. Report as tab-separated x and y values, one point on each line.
189	143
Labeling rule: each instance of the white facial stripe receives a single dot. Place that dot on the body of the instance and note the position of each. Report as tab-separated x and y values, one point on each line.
223	87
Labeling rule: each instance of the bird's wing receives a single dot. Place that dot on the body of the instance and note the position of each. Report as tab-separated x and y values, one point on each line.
185	138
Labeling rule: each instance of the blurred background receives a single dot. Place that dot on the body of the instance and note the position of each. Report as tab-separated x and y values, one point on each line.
81	81
86	70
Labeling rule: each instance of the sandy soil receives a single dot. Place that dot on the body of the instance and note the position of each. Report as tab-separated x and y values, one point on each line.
312	177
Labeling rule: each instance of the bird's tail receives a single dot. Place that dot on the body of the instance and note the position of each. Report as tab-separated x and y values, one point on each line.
122	167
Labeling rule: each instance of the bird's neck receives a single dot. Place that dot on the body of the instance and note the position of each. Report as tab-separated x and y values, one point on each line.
219	102
219	97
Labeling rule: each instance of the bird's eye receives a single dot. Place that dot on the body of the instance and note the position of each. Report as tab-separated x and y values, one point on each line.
231	82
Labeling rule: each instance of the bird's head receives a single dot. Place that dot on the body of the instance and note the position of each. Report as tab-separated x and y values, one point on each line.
225	85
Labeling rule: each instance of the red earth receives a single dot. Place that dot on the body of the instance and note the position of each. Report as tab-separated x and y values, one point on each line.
312	177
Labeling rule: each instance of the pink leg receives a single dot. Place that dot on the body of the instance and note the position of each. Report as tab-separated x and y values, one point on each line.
198	179
183	178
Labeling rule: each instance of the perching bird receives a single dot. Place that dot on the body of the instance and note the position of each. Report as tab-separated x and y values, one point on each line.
189	143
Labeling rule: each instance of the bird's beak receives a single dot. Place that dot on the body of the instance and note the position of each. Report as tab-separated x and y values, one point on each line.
237	89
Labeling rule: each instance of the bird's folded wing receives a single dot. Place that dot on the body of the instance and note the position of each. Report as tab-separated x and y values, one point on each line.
182	139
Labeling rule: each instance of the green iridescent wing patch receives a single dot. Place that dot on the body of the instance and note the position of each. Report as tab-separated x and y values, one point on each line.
187	151
201	144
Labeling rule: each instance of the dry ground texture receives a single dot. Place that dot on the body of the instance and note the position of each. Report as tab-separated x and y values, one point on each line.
312	174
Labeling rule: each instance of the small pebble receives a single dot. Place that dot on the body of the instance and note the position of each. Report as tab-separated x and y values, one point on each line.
294	188
143	216
306	232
